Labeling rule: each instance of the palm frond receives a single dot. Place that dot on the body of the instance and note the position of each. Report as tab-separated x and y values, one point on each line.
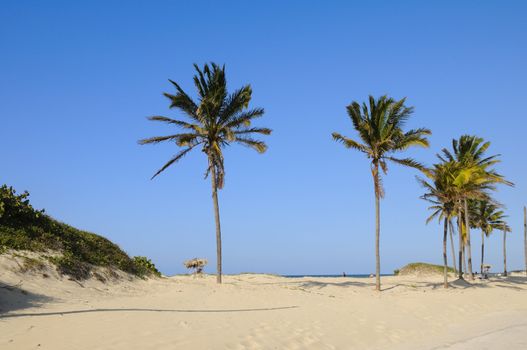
349	143
157	139
235	103
263	131
409	162
244	119
259	146
179	123
173	160
217	120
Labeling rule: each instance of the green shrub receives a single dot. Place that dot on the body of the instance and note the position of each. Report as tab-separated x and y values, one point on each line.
73	267
145	267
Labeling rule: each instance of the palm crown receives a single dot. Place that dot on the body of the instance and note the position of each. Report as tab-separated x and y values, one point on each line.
487	216
380	128
441	191
469	153
216	120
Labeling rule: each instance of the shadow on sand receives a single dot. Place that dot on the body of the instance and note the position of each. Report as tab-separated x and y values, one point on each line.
13	297
510	282
61	313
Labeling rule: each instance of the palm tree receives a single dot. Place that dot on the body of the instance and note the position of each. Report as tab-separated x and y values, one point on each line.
215	121
505	229
442	194
473	180
487	217
379	125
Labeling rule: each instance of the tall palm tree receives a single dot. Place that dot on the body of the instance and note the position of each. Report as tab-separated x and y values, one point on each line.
216	120
380	127
474	178
487	217
442	194
505	229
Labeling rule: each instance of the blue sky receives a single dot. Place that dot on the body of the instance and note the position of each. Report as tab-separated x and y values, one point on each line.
80	78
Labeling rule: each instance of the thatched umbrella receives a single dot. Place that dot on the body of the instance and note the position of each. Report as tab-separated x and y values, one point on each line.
197	264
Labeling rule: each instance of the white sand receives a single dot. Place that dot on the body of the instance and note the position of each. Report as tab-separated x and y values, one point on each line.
261	312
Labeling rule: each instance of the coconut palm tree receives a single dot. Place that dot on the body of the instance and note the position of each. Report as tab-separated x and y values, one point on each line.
475	177
443	195
487	217
505	229
216	120
380	127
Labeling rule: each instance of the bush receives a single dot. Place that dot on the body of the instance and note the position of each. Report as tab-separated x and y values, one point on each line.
145	267
73	267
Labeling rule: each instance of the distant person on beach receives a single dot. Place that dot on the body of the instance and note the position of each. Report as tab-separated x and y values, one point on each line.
344	274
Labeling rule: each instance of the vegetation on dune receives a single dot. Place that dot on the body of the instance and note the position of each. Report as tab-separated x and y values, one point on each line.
420	268
218	119
24	228
380	127
145	266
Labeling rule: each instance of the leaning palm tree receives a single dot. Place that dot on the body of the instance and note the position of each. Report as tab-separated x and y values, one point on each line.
216	120
379	125
487	217
442	194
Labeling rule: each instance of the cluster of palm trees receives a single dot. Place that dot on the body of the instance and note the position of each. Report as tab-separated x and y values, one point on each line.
459	186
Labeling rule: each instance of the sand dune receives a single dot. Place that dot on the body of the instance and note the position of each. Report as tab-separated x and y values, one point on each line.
262	312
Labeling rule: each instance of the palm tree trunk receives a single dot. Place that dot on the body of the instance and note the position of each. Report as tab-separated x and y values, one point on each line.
377	239
217	219
453	248
469	250
482	251
377	185
464	258
460	230
445	272
504	251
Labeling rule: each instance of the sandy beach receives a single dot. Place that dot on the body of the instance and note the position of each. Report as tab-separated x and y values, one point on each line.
261	312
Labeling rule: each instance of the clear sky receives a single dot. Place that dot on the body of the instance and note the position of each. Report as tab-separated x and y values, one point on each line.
78	80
